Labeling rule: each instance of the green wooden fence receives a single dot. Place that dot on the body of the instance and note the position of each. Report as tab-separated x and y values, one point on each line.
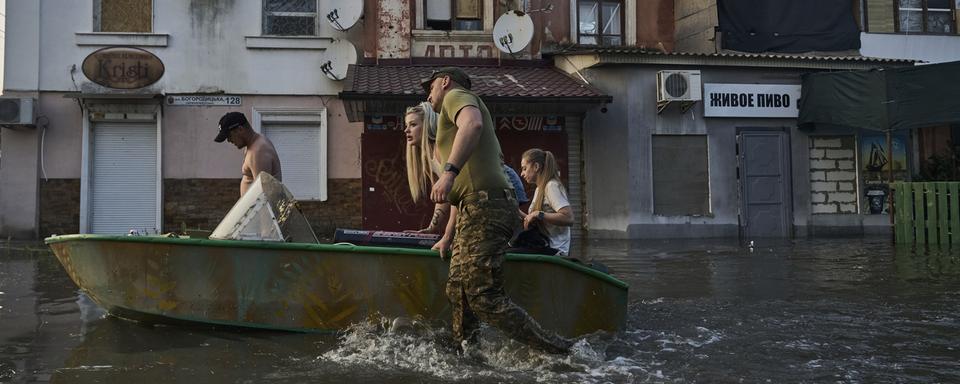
927	212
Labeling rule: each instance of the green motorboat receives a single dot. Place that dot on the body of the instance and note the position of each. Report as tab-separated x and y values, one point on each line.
316	287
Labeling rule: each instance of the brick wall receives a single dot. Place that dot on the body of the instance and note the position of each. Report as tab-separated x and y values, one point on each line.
59	207
202	203
198	203
341	210
833	174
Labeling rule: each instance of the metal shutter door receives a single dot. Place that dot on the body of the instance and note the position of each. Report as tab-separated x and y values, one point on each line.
124	178
299	150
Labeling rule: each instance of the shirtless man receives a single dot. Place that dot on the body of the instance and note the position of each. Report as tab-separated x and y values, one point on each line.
259	156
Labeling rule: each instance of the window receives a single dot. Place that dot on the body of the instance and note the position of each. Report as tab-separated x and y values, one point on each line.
290	17
123	15
600	22
911	16
300	138
926	16
681	184
459	15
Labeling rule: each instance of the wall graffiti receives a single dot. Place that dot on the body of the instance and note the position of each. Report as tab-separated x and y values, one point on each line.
393	184
460	51
387	204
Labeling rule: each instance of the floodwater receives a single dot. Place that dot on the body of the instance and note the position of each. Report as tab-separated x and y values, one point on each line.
835	310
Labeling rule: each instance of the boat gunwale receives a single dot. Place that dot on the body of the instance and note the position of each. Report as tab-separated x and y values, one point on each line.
339	247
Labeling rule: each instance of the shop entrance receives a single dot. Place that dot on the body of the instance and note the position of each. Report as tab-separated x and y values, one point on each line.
123	190
764	179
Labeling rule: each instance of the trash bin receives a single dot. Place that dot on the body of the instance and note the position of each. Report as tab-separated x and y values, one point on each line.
876	198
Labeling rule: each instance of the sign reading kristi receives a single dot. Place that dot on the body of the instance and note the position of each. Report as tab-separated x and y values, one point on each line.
751	100
122	67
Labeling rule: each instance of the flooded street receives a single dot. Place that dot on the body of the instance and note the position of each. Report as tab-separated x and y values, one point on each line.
826	310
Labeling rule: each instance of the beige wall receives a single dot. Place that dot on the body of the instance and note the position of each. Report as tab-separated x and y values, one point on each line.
189	150
18	191
188	147
61	150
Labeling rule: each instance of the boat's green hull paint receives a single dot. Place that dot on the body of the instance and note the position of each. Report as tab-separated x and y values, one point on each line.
316	287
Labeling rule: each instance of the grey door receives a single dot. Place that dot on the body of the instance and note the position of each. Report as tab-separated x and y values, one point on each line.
764	179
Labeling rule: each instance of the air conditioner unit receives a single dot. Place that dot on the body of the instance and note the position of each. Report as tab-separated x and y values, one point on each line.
17	112
678	86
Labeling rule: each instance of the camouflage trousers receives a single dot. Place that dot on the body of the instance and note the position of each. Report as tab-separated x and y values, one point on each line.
475	286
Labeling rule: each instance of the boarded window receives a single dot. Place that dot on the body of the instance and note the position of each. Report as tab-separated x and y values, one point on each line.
459	15
681	184
833	173
300	140
290	17
123	15
879	16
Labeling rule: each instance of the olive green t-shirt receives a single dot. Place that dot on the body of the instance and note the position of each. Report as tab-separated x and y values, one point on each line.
482	171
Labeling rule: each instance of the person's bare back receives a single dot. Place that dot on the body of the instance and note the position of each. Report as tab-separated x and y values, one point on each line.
259	153
259	156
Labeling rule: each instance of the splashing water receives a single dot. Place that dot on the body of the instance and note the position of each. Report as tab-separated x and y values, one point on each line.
420	348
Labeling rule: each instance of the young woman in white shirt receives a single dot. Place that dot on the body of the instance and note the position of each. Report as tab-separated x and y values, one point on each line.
549	209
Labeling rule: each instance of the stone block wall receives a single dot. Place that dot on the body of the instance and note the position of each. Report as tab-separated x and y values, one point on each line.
833	174
59	207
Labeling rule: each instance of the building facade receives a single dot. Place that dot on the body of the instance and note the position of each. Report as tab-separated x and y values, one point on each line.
584	85
924	30
119	155
730	163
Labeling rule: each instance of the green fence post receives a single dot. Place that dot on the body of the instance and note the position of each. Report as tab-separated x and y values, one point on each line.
907	213
920	214
930	200
943	213
954	201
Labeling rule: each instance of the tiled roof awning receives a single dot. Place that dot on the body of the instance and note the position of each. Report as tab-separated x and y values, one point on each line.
372	89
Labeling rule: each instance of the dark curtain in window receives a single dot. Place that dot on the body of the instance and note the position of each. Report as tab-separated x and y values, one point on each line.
787	26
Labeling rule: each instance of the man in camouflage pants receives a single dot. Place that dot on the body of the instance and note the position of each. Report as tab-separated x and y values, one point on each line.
485	210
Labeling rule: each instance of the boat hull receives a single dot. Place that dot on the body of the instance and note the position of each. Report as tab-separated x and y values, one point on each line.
316	287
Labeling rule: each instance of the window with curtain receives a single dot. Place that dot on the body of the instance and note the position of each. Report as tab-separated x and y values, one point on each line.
926	16
600	22
123	16
454	15
290	17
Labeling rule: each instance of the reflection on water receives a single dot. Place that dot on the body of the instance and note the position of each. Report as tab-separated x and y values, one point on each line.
847	310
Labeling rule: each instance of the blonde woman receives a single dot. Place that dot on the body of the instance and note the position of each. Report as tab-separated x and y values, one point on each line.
422	164
549	211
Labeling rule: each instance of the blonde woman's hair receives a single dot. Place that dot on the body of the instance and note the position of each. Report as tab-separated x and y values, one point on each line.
548	171
421	163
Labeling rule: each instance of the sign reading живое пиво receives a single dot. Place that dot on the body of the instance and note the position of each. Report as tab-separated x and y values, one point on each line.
751	100
123	67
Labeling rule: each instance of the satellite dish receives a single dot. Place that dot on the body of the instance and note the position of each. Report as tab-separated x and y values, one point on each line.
345	14
338	56
513	31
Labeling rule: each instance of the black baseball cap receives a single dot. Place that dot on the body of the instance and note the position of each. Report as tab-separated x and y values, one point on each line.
456	74
229	121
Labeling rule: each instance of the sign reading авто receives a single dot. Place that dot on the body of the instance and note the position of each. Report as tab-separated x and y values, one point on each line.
221	100
122	67
751	100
